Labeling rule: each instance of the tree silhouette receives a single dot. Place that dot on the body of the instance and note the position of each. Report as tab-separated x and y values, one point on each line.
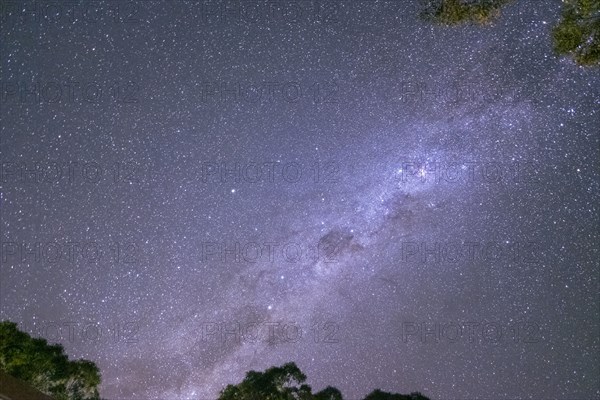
455	12
46	367
276	383
381	395
329	393
578	33
287	383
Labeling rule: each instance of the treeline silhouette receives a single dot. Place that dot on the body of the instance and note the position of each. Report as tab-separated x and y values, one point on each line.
287	383
47	368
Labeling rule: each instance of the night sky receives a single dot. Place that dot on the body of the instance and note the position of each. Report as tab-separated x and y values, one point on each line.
194	189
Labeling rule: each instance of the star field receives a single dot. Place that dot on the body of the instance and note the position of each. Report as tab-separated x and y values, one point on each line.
194	189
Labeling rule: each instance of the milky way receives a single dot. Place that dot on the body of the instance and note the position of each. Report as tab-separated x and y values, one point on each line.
191	192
